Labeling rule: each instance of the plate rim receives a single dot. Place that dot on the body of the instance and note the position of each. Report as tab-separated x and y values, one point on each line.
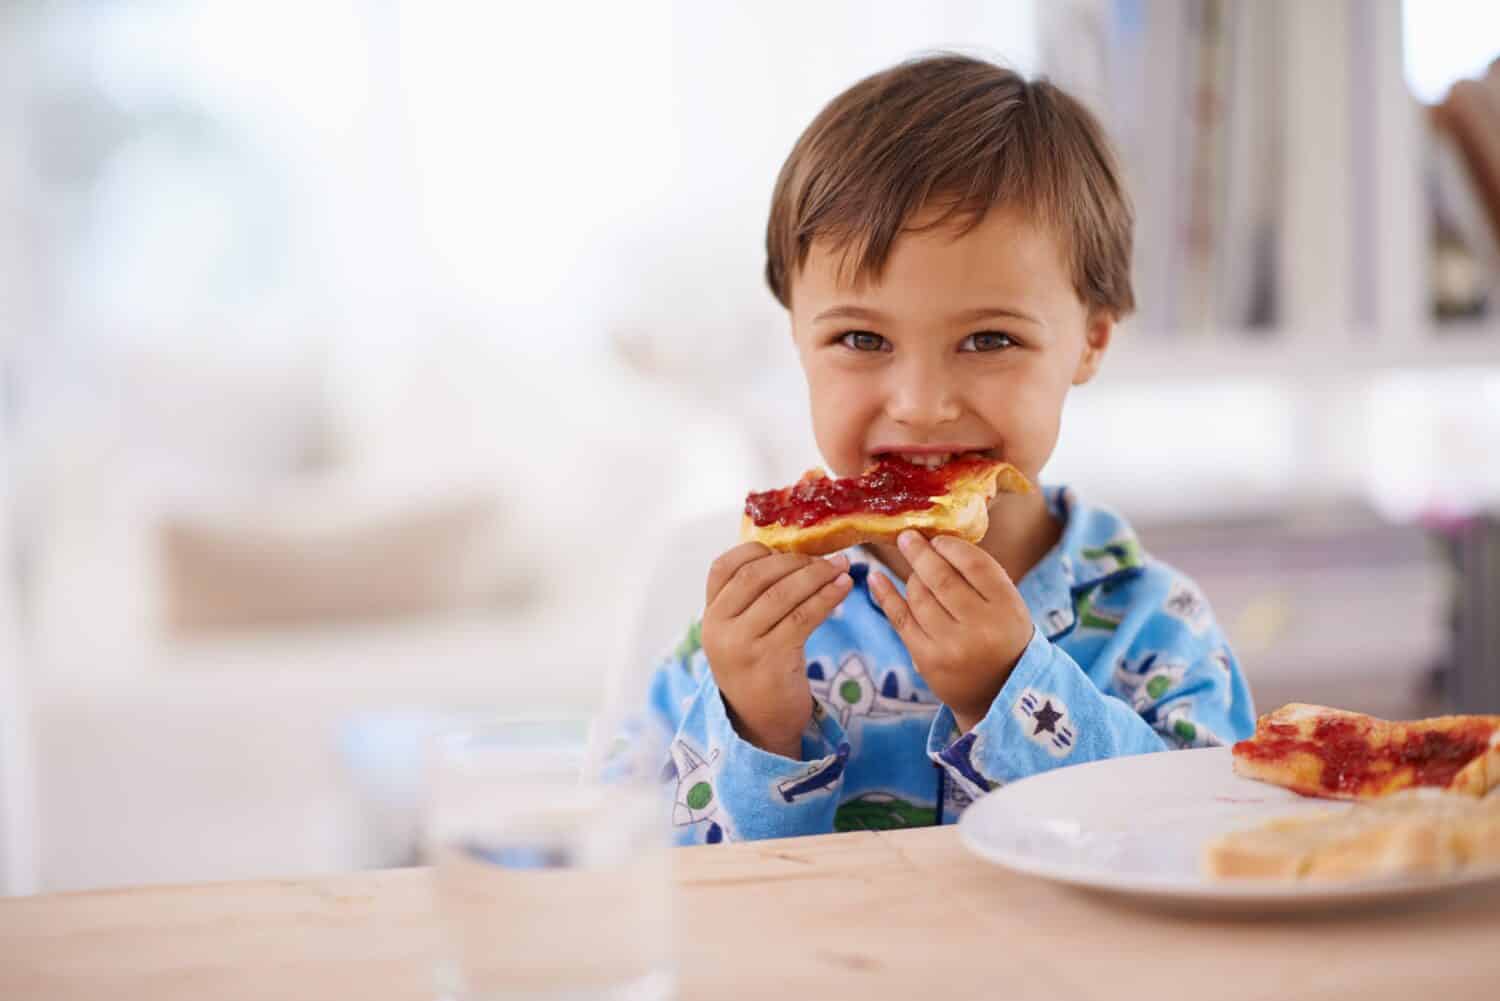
1200	888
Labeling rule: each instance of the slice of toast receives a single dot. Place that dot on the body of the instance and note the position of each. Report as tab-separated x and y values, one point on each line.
963	511
1413	832
1321	751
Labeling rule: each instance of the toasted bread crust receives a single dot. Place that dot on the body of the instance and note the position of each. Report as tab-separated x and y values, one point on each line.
962	511
1481	775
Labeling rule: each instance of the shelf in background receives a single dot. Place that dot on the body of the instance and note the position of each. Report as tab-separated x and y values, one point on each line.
1141	356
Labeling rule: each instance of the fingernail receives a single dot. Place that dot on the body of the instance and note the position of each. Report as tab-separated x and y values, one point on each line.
841	561
906	540
843	580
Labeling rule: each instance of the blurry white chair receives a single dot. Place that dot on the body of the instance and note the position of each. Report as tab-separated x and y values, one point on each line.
676	565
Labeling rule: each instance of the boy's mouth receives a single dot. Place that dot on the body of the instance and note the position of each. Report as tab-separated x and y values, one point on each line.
932	458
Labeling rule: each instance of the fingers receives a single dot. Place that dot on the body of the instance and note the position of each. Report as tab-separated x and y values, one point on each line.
786	597
949	588
934	619
983	572
897	612
728	564
752	578
802	618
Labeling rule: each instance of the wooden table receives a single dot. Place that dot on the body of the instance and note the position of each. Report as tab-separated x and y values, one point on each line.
867	916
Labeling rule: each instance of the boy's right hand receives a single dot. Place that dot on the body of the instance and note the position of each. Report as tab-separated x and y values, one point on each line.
760	609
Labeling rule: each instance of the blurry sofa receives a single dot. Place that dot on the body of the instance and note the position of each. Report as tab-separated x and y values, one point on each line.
216	596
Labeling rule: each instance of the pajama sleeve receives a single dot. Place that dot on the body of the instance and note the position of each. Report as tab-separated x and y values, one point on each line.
725	788
1170	688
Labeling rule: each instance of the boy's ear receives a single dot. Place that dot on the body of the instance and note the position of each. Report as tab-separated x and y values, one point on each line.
1096	336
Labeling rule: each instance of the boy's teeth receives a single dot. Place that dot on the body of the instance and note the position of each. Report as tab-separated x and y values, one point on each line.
930	461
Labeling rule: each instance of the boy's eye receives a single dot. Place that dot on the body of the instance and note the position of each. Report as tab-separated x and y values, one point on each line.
988	340
863	340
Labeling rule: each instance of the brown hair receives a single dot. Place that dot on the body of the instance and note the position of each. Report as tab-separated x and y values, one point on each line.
964	134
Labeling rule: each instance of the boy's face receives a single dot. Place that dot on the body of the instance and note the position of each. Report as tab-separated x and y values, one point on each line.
967	344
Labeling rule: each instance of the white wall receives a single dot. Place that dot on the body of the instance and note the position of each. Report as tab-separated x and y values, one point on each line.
17	817
17	802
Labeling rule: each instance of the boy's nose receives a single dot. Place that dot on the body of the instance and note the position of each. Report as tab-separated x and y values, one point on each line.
922	399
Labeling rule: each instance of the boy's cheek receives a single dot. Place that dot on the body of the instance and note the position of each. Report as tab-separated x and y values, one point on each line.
841	420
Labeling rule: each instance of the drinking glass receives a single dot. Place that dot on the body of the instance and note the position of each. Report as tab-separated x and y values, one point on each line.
550	879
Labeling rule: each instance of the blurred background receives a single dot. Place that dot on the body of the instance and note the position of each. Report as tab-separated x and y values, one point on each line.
371	365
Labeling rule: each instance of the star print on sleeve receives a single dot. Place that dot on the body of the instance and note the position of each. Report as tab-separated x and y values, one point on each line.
1044	719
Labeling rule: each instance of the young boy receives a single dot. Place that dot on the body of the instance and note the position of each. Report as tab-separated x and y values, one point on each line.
953	245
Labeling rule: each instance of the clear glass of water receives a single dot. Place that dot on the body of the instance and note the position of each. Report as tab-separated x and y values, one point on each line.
550	879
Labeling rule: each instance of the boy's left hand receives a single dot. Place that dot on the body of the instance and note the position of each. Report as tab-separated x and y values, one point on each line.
963	621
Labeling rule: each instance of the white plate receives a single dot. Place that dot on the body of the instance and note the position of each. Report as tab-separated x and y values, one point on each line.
1136	826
